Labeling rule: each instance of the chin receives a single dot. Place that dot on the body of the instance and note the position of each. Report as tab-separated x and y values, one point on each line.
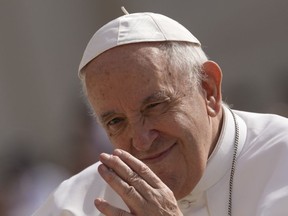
178	186
174	183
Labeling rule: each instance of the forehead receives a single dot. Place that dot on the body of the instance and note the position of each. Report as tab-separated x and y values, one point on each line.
136	55
130	62
125	76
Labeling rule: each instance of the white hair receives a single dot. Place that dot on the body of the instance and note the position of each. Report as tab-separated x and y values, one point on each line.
186	58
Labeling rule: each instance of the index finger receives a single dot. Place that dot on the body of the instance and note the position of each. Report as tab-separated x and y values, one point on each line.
140	168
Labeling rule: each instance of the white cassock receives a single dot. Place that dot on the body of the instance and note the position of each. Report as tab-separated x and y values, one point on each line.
260	185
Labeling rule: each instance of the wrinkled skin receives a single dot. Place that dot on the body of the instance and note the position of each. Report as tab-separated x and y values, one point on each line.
165	128
142	191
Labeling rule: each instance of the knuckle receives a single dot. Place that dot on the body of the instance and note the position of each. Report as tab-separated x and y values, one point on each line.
152	195
144	170
120	213
114	161
130	191
133	177
111	177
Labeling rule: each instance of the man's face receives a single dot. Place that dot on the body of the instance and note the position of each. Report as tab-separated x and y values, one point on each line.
148	110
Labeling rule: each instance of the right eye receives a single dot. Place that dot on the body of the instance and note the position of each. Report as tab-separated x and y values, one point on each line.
115	125
114	121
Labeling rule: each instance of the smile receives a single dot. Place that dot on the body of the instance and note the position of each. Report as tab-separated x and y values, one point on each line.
159	156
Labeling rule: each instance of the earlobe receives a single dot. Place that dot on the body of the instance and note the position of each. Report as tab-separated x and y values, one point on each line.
211	86
212	108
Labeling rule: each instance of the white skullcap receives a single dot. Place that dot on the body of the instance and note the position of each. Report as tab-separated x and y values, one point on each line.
135	28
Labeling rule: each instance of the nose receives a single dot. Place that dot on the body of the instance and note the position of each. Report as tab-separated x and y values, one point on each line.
143	136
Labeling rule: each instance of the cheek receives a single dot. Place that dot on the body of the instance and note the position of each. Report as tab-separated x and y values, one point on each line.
192	129
121	142
181	123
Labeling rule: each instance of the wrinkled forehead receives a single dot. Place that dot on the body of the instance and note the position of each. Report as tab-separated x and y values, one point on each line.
129	74
132	57
125	75
140	60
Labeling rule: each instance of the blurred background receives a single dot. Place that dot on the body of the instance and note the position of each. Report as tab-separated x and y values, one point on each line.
46	132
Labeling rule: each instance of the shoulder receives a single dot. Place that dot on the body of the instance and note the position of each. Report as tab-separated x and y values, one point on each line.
264	160
262	118
267	134
266	125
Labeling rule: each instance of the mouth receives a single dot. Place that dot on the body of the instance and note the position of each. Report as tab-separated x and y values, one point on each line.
158	157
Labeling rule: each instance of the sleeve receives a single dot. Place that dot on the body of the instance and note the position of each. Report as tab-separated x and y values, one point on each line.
75	196
52	208
275	195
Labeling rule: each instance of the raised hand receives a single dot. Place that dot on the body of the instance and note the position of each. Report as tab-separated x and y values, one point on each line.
142	191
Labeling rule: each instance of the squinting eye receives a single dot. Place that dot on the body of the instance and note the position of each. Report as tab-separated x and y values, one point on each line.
156	108
152	105
114	121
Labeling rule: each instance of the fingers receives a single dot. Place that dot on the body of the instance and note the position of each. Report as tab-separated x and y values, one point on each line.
109	210
137	185
115	165
129	177
128	192
130	168
140	168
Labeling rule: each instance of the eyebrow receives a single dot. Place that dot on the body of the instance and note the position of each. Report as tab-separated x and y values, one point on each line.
105	115
156	96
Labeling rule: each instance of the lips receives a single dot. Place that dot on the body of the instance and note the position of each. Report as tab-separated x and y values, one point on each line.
158	156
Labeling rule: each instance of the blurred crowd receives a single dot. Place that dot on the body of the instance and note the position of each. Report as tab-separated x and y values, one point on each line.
26	179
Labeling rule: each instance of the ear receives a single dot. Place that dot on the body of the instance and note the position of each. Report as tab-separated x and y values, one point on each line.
211	86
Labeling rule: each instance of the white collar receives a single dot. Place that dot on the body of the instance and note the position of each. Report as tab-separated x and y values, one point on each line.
220	161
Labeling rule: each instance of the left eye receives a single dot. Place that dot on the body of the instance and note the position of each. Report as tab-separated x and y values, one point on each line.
152	105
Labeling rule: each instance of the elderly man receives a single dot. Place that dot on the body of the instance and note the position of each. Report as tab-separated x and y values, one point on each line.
178	149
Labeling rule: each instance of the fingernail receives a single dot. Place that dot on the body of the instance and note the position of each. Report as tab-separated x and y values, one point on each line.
97	201
99	204
104	156
117	152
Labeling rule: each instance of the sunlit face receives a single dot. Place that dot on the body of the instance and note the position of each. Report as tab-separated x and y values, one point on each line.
147	109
